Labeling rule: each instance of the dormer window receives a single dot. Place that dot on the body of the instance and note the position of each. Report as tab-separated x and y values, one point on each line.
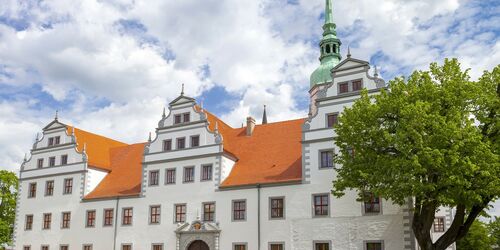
182	118
343	87
57	140
51	141
177	119
357	85
350	86
186	117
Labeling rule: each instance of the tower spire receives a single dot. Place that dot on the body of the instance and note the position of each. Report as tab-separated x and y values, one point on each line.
328	12
264	116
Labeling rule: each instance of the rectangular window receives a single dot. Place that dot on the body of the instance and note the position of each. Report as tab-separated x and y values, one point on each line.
90	218
374	246
195	141
439	224
127	216
180	213
157	246
40	163
26	247
177	119
276	246
63	247
29	222
343	87
154	214
108	217
188	174
49	188
68	186
66	220
372	204
321	246
321	205
326	159
240	246
127	247
206	172
52	161
45	247
57	140
51	141
209	211
332	119
64	159
154	178
239	210
47	219
186	117
170	176
87	247
167	145
181	143
32	190
357	85
277	208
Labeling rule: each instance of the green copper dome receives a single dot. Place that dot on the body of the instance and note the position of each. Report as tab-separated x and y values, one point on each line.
330	49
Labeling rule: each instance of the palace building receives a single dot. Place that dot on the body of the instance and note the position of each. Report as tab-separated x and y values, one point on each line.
198	183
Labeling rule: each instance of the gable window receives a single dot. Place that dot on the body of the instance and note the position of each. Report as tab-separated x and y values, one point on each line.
26	247
209	211
49	188
326	159
180	213
87	247
90	218
439	224
239	210
63	247
276	246
157	246
154	214
167	145
51	141
206	172
66	219
40	163
47	219
32	190
28	222
343	87
153	178
357	85
321	246
64	159
321	205
372	204
126	247
331	120
170	176
186	117
277	208
68	186
52	161
240	246
374	245
45	247
108	217
177	119
195	141
189	174
181	143
127	216
57	140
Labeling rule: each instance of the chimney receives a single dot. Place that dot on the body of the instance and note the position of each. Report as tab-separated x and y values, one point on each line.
250	125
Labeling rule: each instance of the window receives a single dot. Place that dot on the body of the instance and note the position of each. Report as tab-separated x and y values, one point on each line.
90	218
276	246
45	247
32	190
343	87
326	159
209	211
321	205
186	117
66	218
277	208
167	145
64	159
188	174
154	214
357	85
206	172
63	247
181	143
153	178
26	247
87	247
57	140
177	119
170	176
127	216
328	48
126	247
52	161
195	141
439	224
372	204
331	119
47	219
108	217
321	246
68	186
239	210
374	245
180	213
40	163
28	222
49	188
240	246
157	246
51	141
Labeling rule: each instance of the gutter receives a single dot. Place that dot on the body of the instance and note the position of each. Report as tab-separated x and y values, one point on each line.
116	223
258	216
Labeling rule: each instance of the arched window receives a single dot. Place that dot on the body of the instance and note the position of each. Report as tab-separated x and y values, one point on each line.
328	48
334	48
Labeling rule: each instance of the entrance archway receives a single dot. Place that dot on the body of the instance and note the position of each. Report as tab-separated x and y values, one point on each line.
198	245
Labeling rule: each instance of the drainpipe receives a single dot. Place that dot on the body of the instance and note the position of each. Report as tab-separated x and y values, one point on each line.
258	216
115	223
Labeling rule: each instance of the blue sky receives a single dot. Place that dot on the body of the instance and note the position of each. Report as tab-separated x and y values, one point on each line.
111	66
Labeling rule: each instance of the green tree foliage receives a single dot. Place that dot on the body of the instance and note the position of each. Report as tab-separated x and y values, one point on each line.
494	229
420	140
8	193
477	238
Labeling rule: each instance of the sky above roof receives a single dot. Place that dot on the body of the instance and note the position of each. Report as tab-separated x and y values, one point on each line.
111	66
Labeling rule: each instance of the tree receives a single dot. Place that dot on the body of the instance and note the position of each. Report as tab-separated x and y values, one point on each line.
494	229
431	140
8	194
477	238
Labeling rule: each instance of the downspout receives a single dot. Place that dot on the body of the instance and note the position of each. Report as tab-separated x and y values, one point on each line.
115	223
258	216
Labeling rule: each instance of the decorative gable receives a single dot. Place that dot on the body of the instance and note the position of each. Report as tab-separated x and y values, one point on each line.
350	63
55	124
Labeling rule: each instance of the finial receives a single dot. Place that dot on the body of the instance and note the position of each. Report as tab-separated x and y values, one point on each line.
37	137
55	118
84	148
375	73
348	51
264	116
182	91
149	139
201	104
25	157
163	115
242	124
73	130
216	126
197	214
328	12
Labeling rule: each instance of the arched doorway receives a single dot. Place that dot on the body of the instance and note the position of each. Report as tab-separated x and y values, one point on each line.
198	245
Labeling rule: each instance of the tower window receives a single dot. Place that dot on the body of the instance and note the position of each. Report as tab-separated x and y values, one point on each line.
328	48
334	48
